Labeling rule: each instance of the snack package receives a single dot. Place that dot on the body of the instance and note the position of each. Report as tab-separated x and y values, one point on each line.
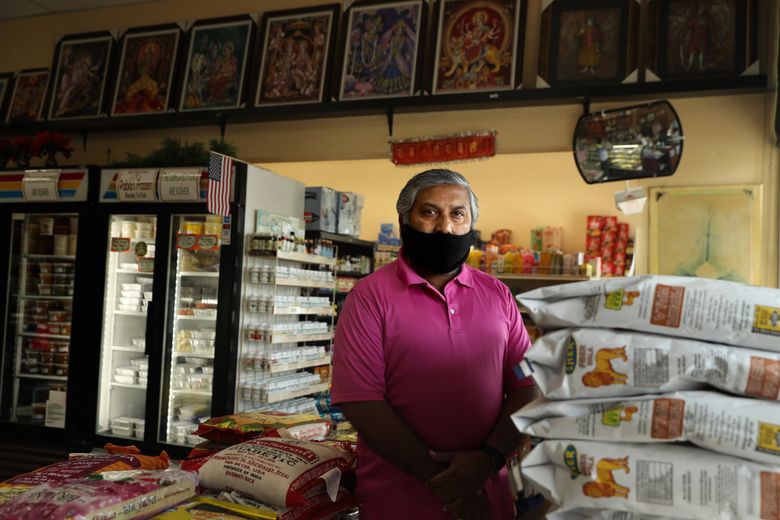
209	508
572	363
318	506
114	495
696	308
240	427
739	426
287	468
603	514
661	479
81	465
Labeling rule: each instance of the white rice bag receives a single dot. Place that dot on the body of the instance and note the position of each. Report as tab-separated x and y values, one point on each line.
696	308
603	514
661	479
747	428
573	363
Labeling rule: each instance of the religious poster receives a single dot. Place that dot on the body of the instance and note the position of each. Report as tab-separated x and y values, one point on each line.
79	77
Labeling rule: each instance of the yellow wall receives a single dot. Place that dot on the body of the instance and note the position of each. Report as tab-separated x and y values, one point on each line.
533	180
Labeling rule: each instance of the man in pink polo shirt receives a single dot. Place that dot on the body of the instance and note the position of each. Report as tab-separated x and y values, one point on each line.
423	367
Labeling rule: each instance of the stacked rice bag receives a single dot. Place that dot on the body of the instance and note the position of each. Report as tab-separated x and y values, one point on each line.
615	400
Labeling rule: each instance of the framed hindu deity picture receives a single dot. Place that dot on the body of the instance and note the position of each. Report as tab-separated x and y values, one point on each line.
79	74
28	96
144	80
381	49
701	38
295	55
588	43
478	45
216	63
6	80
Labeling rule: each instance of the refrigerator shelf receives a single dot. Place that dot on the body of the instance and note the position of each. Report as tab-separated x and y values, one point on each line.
299	282
199	274
132	271
285	367
50	257
184	391
122	348
295	338
130	313
43	336
275	397
193	354
195	318
41	376
43	297
306	258
125	385
300	311
107	433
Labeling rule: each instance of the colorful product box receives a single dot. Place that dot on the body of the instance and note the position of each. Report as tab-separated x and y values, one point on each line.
349	213
321	208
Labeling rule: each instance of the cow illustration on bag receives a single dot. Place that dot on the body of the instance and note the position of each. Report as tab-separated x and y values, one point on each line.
604	486
604	373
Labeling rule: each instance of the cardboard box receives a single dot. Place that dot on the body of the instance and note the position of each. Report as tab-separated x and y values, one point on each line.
321	206
350	212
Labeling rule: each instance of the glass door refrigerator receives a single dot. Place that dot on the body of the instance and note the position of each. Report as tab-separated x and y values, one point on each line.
167	309
46	264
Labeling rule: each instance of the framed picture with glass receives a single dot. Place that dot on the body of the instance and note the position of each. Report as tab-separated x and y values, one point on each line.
215	67
28	96
296	50
145	76
701	38
79	75
478	45
588	43
6	83
381	49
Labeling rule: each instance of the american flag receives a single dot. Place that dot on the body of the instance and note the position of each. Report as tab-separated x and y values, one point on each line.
220	182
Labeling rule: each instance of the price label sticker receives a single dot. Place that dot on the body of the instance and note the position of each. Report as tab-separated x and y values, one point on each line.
120	244
208	242
40	185
141	249
185	241
146	265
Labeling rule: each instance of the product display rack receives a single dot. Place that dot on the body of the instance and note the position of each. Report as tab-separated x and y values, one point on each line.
286	326
348	247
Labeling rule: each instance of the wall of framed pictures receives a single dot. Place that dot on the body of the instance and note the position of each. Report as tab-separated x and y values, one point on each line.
374	50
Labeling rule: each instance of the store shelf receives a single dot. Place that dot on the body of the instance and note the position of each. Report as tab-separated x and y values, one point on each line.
138	314
127	349
45	377
125	385
285	367
543	277
107	433
299	282
183	391
191	274
43	297
339	239
71	258
275	397
306	258
193	354
43	336
186	317
301	311
350	274
132	271
295	338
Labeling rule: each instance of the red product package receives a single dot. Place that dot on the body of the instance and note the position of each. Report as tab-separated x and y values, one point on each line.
620	246
240	427
593	244
620	270
607	252
607	269
623	231
610	223
595	224
609	237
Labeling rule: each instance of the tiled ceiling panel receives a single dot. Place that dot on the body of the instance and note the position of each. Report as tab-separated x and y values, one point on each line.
22	8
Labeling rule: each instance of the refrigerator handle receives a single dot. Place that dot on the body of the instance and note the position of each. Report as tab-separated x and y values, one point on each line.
150	340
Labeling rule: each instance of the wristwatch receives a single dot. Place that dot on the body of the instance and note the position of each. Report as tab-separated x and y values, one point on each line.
497	459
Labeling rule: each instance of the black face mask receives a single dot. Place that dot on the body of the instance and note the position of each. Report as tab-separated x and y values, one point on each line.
436	253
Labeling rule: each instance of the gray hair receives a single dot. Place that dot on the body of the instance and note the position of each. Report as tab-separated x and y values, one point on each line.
428	179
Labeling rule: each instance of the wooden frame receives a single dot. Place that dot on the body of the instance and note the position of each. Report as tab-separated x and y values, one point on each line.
144	80
224	86
79	75
296	78
707	231
588	43
6	86
371	32
28	96
700	39
478	45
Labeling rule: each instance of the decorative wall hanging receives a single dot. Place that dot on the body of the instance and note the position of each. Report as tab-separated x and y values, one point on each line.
144	79
701	38
588	43
443	148
79	76
216	64
295	55
28	96
381	51
479	45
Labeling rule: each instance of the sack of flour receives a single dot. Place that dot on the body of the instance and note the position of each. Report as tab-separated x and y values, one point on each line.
279	472
747	428
573	363
696	308
661	479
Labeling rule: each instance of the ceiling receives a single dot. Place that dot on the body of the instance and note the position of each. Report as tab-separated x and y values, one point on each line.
23	8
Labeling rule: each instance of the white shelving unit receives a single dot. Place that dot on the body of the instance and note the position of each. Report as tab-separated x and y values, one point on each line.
273	366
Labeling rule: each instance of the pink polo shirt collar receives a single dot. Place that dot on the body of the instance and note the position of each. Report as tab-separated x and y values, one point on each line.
408	275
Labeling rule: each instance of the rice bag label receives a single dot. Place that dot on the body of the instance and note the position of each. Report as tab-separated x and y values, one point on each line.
766	320
667	306
770	494
668	415
768	438
571	356
763	378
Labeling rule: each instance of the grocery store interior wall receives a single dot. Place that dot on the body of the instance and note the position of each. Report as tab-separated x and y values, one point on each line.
532	182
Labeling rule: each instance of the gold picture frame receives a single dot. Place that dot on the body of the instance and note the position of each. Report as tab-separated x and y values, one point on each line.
707	232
